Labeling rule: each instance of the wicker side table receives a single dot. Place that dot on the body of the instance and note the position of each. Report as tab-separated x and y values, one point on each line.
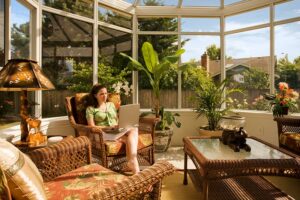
217	164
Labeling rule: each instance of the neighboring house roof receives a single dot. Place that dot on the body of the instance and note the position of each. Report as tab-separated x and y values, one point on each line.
262	63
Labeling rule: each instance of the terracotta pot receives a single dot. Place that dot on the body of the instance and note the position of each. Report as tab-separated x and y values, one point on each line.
116	99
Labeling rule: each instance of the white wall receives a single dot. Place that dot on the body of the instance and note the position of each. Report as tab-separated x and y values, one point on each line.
259	124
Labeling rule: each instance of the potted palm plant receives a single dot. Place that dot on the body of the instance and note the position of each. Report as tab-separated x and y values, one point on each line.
155	70
210	99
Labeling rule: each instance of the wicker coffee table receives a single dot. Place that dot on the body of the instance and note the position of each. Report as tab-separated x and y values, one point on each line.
222	171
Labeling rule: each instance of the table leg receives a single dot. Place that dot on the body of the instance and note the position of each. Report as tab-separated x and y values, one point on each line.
205	189
185	180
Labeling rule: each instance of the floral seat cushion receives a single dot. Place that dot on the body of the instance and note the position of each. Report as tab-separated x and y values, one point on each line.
290	140
82	182
118	147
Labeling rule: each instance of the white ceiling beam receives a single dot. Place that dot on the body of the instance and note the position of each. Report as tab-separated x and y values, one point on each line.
248	5
135	3
173	11
203	11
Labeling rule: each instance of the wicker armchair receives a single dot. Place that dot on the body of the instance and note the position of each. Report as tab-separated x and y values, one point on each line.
63	164
289	133
111	154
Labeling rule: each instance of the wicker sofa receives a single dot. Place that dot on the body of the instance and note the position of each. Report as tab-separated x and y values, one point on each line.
68	174
111	154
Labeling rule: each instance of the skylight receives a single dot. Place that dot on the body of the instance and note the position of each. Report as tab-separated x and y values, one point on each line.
182	3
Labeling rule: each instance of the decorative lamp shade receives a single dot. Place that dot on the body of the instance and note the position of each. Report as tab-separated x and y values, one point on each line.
22	74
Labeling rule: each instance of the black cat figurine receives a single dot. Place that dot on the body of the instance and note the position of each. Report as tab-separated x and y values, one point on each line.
236	139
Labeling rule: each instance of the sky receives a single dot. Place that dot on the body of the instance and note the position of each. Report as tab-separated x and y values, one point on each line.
246	44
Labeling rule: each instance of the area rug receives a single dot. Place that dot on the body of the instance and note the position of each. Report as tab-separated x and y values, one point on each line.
175	155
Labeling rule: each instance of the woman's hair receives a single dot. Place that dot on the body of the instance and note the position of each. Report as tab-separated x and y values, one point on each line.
95	89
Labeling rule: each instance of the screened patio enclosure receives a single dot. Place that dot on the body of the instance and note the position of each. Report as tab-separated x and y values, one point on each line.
254	43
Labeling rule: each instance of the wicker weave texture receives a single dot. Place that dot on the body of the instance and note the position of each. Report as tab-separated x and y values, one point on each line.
288	125
61	158
139	182
245	188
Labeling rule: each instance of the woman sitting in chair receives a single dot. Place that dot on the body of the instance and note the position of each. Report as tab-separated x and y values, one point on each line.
104	115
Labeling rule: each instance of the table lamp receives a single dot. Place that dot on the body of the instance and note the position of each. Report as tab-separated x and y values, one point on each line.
23	75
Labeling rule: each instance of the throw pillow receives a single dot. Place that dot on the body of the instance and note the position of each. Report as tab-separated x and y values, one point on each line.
24	180
4	190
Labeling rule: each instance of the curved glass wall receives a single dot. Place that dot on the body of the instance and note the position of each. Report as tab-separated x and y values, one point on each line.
287	51
287	10
248	68
252	18
68	44
67	60
197	48
20	30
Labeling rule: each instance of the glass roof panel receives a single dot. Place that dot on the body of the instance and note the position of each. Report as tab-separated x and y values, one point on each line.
287	10
159	2
201	3
200	24
247	19
227	2
80	7
116	18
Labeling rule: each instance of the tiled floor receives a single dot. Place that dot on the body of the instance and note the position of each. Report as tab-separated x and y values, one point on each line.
175	155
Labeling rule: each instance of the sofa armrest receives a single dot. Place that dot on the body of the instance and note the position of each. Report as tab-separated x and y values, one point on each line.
138	184
60	158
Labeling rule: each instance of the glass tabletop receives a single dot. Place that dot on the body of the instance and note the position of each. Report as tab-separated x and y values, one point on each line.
214	149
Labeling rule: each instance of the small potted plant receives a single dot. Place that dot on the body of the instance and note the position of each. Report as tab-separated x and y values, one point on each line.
155	69
284	100
210	99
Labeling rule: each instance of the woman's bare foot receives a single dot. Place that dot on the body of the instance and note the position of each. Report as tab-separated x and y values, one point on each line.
133	166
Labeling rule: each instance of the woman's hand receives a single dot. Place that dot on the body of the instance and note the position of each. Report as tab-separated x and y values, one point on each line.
110	128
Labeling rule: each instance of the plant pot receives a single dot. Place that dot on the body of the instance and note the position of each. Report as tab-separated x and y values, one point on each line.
285	110
203	132
116	99
162	140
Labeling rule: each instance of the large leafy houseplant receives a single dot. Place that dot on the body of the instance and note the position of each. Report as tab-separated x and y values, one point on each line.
210	98
155	70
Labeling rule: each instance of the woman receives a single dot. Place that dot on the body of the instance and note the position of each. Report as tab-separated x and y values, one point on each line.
104	115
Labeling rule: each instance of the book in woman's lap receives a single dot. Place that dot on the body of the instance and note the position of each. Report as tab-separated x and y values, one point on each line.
128	118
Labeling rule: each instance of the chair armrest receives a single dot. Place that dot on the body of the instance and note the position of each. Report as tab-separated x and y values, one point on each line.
138	184
147	124
60	158
288	124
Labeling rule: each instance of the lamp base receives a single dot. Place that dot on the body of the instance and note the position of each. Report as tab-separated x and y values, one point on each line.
24	115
